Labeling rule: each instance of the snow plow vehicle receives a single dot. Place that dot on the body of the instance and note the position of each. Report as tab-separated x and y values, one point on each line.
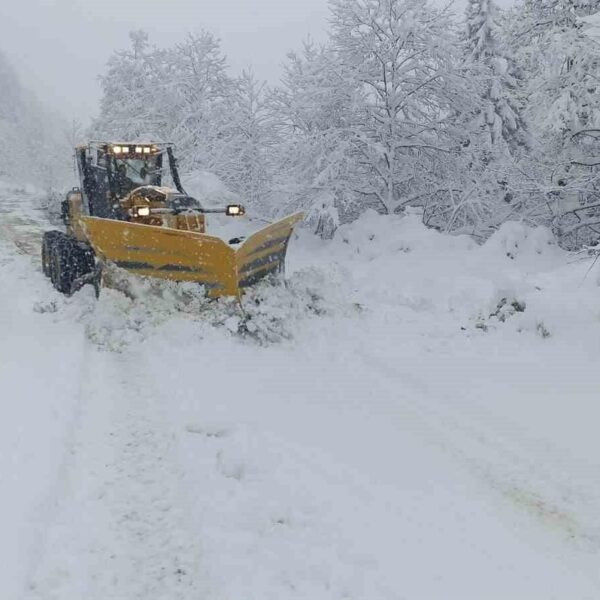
123	214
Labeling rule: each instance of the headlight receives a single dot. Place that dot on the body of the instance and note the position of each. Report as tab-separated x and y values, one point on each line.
235	210
141	211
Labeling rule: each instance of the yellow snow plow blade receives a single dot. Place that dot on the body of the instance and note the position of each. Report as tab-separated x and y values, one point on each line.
264	252
181	255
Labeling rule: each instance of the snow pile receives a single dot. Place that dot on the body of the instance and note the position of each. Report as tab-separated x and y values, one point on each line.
374	236
397	263
536	245
131	308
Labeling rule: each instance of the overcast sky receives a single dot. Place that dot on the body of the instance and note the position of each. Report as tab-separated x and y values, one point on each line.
61	46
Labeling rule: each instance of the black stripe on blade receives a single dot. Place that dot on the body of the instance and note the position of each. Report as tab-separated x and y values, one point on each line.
269	244
275	257
256	277
132	264
180	269
143	266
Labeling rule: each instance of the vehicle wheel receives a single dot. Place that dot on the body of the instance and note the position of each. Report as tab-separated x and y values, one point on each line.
85	260
82	259
63	270
48	241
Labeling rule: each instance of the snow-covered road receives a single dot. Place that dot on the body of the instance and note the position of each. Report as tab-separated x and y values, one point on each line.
398	441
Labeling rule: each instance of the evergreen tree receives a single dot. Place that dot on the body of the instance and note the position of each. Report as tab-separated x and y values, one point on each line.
500	114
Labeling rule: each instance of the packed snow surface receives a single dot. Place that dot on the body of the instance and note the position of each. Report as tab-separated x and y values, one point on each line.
413	416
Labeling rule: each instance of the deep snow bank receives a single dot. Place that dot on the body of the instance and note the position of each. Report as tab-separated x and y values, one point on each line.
397	261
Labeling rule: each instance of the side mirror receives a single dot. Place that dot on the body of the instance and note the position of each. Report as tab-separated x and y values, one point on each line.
235	210
71	205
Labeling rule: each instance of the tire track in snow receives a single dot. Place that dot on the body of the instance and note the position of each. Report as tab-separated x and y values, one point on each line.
506	466
152	516
20	236
114	525
50	508
125	533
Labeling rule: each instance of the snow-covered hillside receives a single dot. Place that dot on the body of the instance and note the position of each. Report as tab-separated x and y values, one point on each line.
414	416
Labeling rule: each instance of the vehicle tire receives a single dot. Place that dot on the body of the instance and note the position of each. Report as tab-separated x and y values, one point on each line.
63	269
82	258
85	259
48	241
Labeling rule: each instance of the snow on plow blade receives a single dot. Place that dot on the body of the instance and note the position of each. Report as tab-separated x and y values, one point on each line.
181	255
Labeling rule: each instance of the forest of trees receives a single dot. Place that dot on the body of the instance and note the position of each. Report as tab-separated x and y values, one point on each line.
476	118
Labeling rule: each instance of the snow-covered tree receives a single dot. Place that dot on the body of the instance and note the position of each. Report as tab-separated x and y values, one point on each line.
199	94
128	105
410	141
397	108
561	61
314	112
251	143
181	94
499	114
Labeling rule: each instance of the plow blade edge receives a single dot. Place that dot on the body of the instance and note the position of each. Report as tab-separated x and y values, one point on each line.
264	252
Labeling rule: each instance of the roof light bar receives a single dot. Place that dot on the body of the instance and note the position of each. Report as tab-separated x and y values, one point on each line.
136	149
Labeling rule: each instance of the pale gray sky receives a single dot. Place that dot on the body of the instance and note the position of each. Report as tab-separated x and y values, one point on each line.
61	46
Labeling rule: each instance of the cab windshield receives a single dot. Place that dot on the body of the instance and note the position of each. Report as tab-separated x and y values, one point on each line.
134	172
